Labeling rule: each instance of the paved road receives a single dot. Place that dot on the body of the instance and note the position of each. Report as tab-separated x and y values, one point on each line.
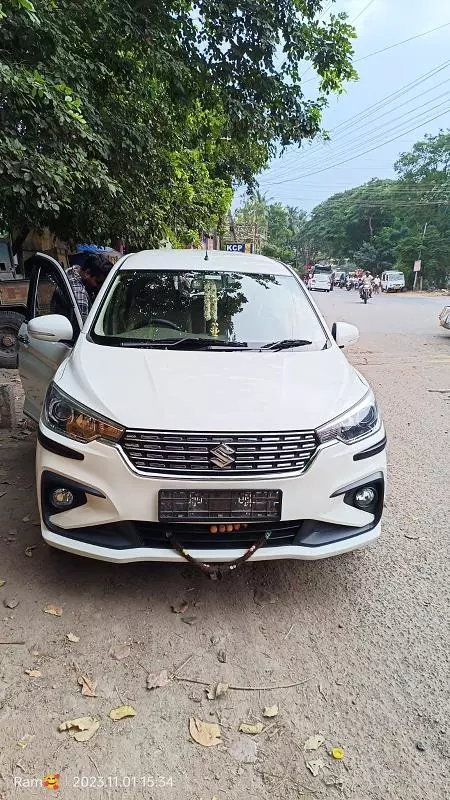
368	632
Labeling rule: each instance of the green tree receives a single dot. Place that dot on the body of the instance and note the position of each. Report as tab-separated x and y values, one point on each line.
135	117
424	182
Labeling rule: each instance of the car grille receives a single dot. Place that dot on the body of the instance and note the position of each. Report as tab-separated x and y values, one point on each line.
199	537
219	455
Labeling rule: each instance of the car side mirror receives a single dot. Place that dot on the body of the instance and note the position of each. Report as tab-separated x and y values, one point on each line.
51	328
344	333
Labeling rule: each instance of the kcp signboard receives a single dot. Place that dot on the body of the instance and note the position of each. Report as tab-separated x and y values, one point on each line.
236	248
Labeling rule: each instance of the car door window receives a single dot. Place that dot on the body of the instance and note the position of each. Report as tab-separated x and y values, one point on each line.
52	296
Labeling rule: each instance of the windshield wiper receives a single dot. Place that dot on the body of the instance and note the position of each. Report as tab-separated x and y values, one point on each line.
285	344
187	343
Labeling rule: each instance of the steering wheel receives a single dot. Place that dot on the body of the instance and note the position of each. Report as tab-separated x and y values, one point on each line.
165	323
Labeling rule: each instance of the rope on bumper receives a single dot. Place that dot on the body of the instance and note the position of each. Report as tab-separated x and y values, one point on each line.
217	571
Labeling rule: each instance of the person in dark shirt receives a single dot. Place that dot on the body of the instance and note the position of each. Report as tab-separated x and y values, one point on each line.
87	280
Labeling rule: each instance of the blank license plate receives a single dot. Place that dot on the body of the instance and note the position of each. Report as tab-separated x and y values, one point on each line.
219	505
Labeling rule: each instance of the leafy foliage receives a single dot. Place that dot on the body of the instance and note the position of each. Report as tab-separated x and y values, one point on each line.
134	117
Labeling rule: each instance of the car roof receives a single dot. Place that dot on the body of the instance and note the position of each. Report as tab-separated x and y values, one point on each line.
195	260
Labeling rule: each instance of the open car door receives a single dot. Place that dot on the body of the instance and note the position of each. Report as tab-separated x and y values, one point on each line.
49	293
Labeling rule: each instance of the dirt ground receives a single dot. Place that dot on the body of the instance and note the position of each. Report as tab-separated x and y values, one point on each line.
364	636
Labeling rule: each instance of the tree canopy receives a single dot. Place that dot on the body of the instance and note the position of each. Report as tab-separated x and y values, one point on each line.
134	117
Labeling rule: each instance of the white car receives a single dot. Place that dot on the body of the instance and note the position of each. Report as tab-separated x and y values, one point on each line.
204	411
321	281
392	281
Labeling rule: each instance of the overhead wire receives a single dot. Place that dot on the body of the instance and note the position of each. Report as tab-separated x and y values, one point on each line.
374	108
380	131
359	119
404	41
392	46
370	150
363	11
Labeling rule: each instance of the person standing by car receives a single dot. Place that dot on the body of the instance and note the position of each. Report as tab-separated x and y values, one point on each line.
87	280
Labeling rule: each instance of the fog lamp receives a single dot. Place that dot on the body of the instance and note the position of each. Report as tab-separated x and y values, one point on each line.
365	497
61	498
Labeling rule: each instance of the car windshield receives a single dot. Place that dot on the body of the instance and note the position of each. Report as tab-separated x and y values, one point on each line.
322	269
159	308
395	275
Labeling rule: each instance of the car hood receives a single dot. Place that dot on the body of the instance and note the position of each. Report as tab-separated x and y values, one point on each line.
207	391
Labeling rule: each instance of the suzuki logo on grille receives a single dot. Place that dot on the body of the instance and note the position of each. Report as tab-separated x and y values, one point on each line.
222	456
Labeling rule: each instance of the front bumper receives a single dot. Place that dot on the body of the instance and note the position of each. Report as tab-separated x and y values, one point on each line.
116	518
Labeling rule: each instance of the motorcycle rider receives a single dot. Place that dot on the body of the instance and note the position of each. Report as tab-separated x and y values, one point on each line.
366	284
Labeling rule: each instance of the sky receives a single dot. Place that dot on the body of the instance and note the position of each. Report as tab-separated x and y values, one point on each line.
417	73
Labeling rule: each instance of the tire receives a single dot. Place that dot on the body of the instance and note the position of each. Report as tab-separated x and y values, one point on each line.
365	299
10	322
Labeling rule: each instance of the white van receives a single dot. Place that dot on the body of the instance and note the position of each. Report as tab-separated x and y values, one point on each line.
392	281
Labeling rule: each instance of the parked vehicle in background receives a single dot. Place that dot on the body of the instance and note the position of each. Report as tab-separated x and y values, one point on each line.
392	281
321	281
204	412
444	318
13	301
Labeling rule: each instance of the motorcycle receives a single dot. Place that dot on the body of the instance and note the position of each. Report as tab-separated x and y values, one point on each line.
349	285
365	292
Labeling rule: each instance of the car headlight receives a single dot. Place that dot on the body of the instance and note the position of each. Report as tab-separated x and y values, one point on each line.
68	417
358	422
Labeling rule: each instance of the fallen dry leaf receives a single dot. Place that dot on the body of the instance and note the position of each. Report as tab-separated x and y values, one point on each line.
180	608
157	680
88	687
205	733
222	656
122	711
26	519
11	603
82	729
314	742
72	638
25	740
219	690
2	583
315	766
270	711
29	550
55	611
33	673
121	651
252	729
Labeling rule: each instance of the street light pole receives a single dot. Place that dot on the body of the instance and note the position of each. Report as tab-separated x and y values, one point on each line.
420	260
